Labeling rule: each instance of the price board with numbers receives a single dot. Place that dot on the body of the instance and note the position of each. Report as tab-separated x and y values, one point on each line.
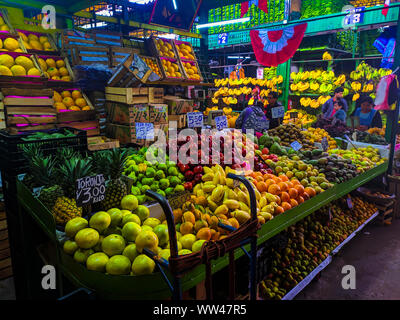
296	146
278	112
90	190
223	38
221	122
354	16
195	119
144	131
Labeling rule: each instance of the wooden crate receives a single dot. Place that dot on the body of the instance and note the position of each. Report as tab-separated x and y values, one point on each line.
178	43
187	75
135	95
97	143
82	55
155	63
164	70
117	55
58	83
158	53
5	255
123	77
68	115
91	127
179	119
4	15
386	212
49	36
4	36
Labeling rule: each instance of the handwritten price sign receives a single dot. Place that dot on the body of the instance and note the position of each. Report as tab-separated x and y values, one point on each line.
278	112
221	122
195	120
90	190
144	131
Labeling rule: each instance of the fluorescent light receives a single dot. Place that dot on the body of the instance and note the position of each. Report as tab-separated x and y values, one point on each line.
98	24
175	6
168	36
237	57
222	23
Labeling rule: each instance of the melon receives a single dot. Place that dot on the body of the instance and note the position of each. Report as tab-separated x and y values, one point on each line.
25	62
18	70
6	60
4	71
11	44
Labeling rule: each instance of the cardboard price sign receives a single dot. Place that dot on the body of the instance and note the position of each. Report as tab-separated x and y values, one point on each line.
90	190
177	200
325	144
296	146
195	119
278	112
221	122
144	131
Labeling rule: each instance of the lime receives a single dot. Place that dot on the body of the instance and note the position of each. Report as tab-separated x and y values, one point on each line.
183	252
131	218
70	247
143	265
116	216
97	262
129	202
166	253
130	252
75	225
113	244
146	239
130	231
118	265
152	222
162	233
147	228
100	221
81	255
143	212
87	238
197	245
187	241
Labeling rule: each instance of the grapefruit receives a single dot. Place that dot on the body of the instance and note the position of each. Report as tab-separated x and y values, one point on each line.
116	216
129	202
130	231
131	217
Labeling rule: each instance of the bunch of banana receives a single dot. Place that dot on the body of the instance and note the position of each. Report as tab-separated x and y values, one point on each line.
303	86
221	82
340	80
314	86
356	86
314	104
368	87
230	100
325	88
305	102
355	75
264	93
345	92
207	111
302	117
322	99
246	90
215	100
269	73
315	74
326	56
227	111
277	80
327	76
356	97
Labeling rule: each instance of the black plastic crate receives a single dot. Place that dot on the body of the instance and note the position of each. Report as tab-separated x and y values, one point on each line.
12	159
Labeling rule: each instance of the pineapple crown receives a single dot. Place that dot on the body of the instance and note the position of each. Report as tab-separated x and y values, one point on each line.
116	162
43	170
31	151
72	170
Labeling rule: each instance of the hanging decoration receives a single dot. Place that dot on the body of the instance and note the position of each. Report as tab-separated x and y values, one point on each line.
245	6
275	46
386	8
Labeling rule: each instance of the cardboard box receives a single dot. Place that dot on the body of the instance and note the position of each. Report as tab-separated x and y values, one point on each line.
178	105
124	114
158	113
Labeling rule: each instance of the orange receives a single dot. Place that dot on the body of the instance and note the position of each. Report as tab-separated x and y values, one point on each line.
213	222
68	102
279	210
284	178
283	186
293	193
215	235
306	196
310	191
295	182
80	102
278	200
57	97
177	215
66	94
261	219
86	108
284	197
300	189
268	182
200	224
286	206
60	106
270	176
186	228
76	94
189	217
204	234
261	186
234	222
259	178
74	108
289	184
300	200
63	71
274	189
293	203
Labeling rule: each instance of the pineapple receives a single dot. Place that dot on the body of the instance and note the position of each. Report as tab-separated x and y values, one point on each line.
116	188
65	207
31	152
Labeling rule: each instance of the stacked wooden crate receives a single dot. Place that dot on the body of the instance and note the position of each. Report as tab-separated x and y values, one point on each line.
5	258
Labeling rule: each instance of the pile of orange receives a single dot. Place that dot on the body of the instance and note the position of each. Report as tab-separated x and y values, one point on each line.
288	193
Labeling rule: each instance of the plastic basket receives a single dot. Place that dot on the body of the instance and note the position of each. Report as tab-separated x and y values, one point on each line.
12	159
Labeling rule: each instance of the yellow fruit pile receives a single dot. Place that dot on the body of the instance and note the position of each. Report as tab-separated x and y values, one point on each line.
20	66
54	69
185	51
314	103
270	83
207	111
303	118
377	131
10	44
153	66
165	48
70	100
32	41
317	134
171	69
191	71
3	25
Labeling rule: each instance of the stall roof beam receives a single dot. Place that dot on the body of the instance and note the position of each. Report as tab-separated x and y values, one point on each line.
32	4
134	24
82	4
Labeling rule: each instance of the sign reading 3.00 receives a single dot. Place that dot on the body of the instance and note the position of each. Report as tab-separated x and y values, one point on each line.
90	190
195	119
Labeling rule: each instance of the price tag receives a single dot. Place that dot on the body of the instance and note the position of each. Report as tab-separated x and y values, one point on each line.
278	112
176	201
144	131
221	122
296	146
349	203
195	119
90	190
294	115
355	16
325	144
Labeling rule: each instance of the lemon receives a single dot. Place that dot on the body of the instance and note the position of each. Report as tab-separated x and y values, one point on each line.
187	241
165	253
81	255
11	44
147	228
129	202
51	63
63	71
33	72
143	265
146	239
6	60
97	262
53	72
68	102
33	36
25	62
152	222
100	221
60	64
87	238
143	212
80	102
70	247
74	225
66	94
161	231
57	97
113	244
130	231
184	251
130	217
130	252
197	245
43	39
5	71
118	265
27	46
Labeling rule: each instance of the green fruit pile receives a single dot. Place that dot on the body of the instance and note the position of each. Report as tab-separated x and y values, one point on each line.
163	178
309	242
